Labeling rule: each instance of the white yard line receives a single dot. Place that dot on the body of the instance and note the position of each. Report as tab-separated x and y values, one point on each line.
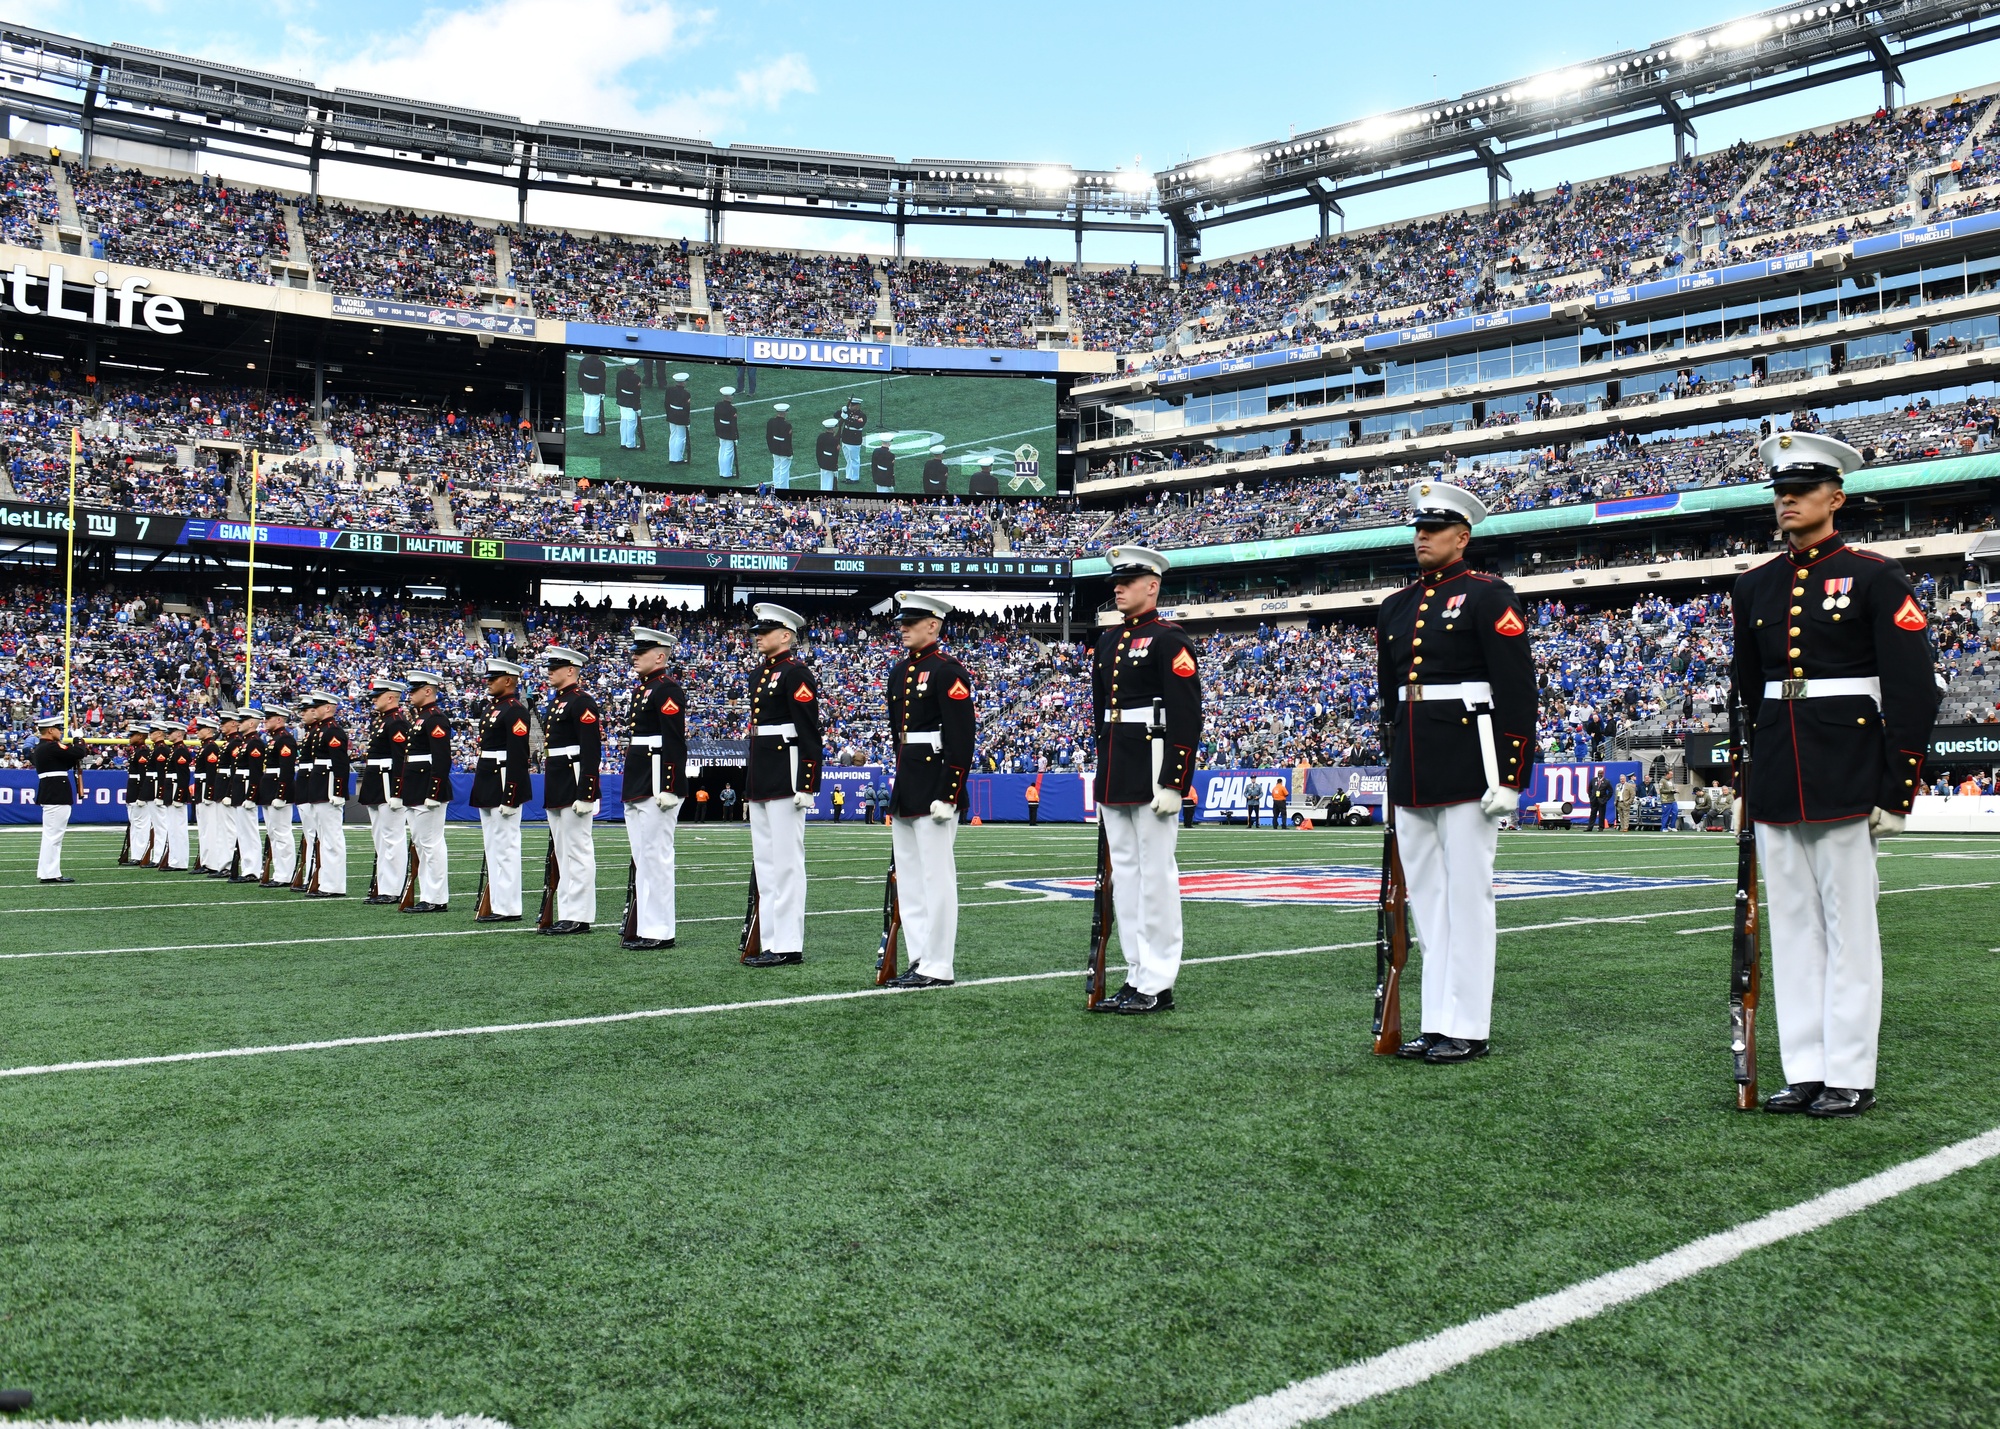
269	943
1304	1401
651	1014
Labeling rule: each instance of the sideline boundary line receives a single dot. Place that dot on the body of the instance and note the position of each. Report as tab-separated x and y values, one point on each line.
1304	1401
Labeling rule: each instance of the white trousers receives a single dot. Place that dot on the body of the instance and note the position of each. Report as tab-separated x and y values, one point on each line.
927	890
778	853
243	820
433	864
284	852
1145	892
139	821
208	842
174	819
1447	856
1826	949
55	821
330	838
651	830
501	830
576	856
389	829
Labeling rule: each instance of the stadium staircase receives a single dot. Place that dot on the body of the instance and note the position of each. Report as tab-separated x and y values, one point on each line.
295	237
885	308
69	223
698	283
503	260
447	523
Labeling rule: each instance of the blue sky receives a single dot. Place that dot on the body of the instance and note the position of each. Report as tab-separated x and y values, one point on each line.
1095	85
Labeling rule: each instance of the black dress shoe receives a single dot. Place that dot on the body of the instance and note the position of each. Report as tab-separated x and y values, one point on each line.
428	908
563	927
269	883
1793	1099
1110	1004
1448	1050
322	893
1136	1003
246	878
774	960
58	880
1414	1049
378	899
646	945
497	918
913	978
1842	1101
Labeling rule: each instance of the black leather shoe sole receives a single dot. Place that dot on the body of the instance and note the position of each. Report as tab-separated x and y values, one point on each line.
1445	1054
646	945
428	908
497	918
1792	1101
322	893
1414	1049
775	960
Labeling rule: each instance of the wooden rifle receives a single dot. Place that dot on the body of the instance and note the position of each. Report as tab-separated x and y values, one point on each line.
892	924
551	880
312	883
125	848
265	876
409	898
1745	955
152	837
1392	938
629	929
374	865
1102	915
753	931
484	907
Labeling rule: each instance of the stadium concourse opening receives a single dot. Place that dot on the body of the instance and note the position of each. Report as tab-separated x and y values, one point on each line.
603	829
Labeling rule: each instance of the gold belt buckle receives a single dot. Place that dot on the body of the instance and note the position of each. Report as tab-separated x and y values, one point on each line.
1793	690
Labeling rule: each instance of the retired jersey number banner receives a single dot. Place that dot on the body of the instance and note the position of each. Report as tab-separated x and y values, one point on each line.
858	430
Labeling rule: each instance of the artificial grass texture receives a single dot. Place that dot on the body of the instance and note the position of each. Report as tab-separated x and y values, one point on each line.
975	1205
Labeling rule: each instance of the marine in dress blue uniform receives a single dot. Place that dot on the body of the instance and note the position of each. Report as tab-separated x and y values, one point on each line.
1836	672
1146	709
781	781
932	721
55	761
1457	678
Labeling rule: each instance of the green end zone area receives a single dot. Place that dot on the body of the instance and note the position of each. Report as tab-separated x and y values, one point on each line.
974	1205
971	417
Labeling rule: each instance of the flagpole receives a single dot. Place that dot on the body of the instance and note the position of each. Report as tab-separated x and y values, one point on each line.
69	574
250	588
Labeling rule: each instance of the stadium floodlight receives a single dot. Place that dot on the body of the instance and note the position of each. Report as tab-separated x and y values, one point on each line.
1557	83
1690	47
1134	181
1053	179
1743	32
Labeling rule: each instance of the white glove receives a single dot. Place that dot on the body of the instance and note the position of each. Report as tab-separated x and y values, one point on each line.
1736	814
280	805
432	803
228	803
584	806
1499	801
804	801
394	802
1165	800
339	801
942	812
665	800
1882	824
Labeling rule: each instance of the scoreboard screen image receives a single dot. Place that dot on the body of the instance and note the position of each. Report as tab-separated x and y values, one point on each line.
751	426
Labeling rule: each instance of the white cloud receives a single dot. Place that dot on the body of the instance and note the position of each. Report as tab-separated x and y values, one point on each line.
613	63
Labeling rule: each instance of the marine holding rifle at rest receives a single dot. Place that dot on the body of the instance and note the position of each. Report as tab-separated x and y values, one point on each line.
1457	678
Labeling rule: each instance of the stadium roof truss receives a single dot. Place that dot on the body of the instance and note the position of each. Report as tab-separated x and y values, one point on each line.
150	96
1673	82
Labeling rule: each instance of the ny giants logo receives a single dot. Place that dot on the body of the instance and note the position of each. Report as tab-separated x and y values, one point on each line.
1352	885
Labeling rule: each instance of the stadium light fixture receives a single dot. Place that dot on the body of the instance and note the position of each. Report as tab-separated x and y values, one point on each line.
1743	32
1133	181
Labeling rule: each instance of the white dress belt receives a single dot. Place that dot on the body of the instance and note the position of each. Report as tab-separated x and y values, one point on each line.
1472	692
1869	685
644	741
788	731
380	763
929	738
497	755
569	751
416	759
1142	714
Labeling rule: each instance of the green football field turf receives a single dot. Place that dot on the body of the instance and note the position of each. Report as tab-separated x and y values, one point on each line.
973	1205
970	416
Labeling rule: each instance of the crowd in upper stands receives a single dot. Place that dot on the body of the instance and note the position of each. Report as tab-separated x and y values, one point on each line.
1812	189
